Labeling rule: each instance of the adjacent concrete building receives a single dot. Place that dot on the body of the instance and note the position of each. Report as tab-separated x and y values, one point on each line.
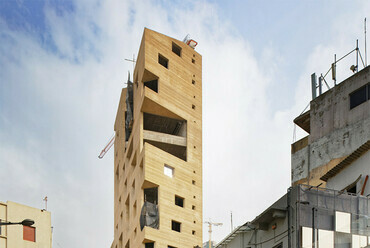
336	155
18	236
158	148
338	124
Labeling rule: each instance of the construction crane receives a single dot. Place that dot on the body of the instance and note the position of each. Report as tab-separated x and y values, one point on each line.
107	147
210	231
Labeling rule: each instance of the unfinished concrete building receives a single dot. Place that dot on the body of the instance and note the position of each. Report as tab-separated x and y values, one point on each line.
336	155
338	124
158	148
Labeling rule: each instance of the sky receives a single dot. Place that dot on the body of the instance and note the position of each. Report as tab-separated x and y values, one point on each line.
62	69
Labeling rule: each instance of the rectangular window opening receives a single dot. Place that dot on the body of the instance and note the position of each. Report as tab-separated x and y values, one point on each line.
176	226
358	97
171	246
168	171
179	201
193	232
151	195
163	60
176	49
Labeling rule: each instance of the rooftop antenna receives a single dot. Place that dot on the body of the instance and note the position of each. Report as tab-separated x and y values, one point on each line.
365	43
46	202
133	62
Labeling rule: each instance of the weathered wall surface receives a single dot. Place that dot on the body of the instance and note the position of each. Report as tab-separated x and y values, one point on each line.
336	130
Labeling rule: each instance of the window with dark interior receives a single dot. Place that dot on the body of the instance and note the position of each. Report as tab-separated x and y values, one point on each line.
153	85
176	49
359	96
149	245
176	226
179	201
162	60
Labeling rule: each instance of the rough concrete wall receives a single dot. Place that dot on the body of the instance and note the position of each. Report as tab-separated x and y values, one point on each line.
337	144
351	173
331	111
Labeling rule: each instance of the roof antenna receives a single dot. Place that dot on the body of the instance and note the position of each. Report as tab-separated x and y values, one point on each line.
365	43
133	62
46	202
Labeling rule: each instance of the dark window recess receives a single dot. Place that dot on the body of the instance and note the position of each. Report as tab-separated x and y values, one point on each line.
163	60
149	245
171	246
176	226
352	190
176	49
179	201
153	85
359	96
151	195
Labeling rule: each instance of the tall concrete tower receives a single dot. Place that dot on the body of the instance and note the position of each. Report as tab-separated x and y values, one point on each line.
158	148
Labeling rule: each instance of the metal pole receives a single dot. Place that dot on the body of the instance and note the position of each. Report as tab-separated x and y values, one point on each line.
365	45
357	55
313	228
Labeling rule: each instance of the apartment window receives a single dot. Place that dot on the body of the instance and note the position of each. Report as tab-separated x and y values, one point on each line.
163	60
29	233
168	170
179	201
193	207
359	96
149	245
193	61
193	232
176	226
176	49
171	246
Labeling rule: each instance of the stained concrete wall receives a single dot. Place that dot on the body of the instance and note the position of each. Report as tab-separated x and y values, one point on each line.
335	130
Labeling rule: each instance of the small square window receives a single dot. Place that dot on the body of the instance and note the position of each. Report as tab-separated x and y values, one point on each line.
193	207
168	170
179	201
176	226
193	182
193	61
163	60
29	233
193	232
176	49
193	81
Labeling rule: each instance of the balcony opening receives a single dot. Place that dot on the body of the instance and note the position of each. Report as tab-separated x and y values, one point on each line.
166	133
153	85
179	201
164	124
151	195
149	212
176	226
163	60
176	49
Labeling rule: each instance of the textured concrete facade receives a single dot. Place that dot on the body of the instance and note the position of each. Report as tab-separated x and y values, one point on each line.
335	130
12	236
158	153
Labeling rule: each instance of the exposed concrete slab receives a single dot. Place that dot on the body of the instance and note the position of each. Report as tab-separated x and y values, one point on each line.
164	138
